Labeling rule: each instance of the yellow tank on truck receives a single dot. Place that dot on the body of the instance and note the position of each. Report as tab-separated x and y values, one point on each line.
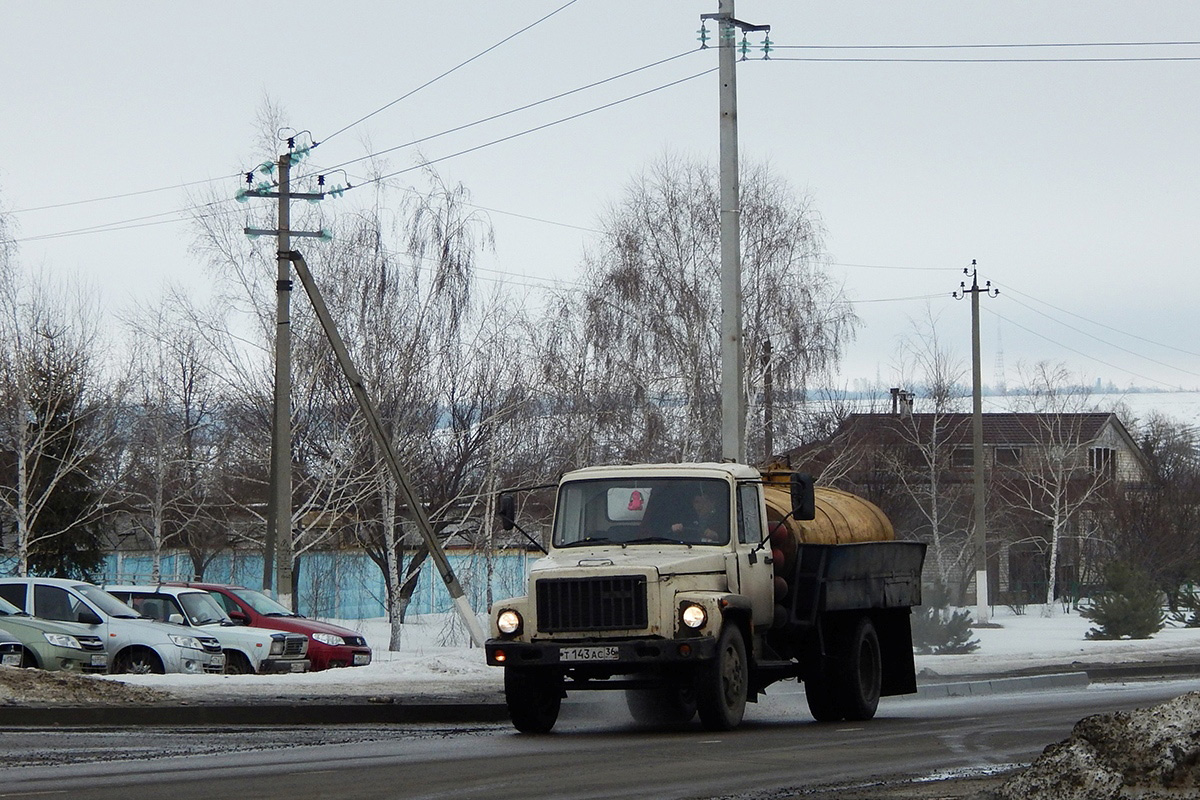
841	517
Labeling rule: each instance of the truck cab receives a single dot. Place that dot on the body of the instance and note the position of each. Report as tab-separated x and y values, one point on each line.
664	580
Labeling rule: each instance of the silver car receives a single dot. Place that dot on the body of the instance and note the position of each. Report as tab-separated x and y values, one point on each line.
134	643
247	650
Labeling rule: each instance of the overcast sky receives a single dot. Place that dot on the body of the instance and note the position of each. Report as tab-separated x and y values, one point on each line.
1069	175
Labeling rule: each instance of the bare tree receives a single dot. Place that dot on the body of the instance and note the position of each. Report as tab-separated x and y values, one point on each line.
646	359
1055	482
58	425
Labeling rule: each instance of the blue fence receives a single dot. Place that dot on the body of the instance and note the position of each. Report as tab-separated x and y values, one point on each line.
341	584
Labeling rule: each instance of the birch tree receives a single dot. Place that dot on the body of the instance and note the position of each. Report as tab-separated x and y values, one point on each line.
58	425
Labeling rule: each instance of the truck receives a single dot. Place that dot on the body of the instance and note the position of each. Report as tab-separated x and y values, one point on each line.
694	587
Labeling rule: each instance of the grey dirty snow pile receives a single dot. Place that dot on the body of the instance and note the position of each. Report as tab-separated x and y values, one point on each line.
34	686
1149	754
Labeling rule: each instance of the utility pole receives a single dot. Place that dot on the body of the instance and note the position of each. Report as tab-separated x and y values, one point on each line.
733	399
277	552
981	585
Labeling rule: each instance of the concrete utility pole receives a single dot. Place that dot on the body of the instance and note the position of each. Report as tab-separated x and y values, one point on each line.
982	612
391	457
277	551
733	399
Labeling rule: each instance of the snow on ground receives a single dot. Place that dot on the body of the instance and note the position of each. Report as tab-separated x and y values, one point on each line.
425	667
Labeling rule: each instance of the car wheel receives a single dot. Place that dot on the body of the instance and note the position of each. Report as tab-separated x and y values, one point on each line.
138	661
236	663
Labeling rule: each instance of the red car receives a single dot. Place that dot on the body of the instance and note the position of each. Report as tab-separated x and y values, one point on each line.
328	645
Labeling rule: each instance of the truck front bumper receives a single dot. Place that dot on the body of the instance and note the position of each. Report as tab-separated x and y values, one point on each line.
611	655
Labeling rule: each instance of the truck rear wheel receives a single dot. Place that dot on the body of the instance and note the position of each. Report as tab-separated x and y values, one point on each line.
721	684
863	672
533	696
851	686
667	705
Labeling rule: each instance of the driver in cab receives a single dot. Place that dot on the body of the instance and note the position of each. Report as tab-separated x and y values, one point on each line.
701	522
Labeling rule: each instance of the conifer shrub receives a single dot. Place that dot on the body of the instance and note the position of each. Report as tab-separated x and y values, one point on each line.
1129	607
937	630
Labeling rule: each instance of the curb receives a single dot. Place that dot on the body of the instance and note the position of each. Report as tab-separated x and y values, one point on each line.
1062	680
263	714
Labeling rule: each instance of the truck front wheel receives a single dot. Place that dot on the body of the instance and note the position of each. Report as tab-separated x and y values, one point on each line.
721	684
533	696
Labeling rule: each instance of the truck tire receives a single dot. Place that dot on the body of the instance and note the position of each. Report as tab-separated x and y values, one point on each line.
721	684
533	696
850	687
863	672
666	705
823	700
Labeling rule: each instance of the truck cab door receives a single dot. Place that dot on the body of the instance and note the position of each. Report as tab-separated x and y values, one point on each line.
756	577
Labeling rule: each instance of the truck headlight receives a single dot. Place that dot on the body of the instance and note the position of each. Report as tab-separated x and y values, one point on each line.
62	640
694	616
187	641
508	621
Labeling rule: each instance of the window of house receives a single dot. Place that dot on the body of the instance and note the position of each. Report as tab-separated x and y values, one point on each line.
963	457
1008	456
1103	461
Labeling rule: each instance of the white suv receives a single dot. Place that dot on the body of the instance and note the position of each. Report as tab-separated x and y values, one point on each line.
134	643
247	650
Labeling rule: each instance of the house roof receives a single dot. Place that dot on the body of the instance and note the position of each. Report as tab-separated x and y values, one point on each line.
999	430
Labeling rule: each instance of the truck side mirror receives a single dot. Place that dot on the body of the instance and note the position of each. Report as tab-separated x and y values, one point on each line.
804	503
506	511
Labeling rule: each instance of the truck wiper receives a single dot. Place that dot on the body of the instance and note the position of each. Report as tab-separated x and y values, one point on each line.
654	539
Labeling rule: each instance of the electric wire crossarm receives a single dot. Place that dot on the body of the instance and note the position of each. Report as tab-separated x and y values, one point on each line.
385	445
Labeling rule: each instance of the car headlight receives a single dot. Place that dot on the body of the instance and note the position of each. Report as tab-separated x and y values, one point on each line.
187	641
508	621
62	640
328	638
694	616
277	642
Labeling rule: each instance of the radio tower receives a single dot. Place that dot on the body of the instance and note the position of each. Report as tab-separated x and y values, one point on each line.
1001	386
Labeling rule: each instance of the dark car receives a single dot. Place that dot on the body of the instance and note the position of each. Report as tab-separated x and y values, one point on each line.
328	645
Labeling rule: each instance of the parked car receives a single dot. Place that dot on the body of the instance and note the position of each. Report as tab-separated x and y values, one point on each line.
329	645
134	643
247	650
53	645
12	652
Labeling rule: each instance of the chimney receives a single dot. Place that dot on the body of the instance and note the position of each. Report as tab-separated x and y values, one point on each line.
905	403
895	400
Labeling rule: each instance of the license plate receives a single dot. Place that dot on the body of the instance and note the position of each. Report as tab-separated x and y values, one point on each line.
217	660
99	659
588	654
296	666
361	659
12	660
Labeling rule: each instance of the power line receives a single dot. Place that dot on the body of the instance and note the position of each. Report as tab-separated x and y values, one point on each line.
137	193
979	45
915	60
449	71
511	111
1081	353
1100	324
886	267
528	131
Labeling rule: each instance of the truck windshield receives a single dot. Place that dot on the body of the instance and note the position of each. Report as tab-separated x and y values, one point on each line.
639	511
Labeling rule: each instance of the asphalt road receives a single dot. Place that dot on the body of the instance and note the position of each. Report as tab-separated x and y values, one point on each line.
594	752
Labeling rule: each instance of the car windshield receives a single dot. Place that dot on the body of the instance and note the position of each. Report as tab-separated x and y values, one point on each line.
105	601
201	608
640	511
262	604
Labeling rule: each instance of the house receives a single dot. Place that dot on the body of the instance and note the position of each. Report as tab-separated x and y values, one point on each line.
1047	477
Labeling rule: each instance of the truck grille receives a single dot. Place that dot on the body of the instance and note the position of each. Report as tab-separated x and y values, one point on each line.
592	604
